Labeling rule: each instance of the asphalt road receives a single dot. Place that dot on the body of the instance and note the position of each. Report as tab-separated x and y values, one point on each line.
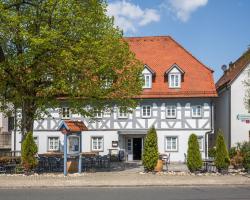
136	193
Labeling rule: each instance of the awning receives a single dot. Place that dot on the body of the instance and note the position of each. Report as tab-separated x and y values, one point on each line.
133	132
69	126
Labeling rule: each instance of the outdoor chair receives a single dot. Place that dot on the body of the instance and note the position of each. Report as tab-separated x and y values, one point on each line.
166	160
2	170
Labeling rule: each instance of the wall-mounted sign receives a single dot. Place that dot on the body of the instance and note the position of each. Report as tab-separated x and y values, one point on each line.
114	143
73	144
244	118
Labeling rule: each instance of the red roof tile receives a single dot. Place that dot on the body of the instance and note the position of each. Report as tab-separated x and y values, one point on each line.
75	126
162	52
234	70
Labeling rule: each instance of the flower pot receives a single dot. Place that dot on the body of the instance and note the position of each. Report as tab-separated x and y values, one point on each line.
159	166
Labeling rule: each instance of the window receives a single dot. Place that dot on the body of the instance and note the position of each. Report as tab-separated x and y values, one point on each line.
201	142
98	114
97	143
122	113
146	111
171	143
174	80
196	111
171	112
54	144
147	81
65	113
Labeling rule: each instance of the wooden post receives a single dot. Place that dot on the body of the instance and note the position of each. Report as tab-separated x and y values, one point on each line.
65	155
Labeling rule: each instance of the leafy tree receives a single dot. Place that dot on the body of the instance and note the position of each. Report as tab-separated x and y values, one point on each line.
221	158
194	161
29	151
150	153
54	51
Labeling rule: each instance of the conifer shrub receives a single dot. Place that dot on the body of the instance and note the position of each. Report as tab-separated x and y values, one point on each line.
29	151
194	160
221	157
150	153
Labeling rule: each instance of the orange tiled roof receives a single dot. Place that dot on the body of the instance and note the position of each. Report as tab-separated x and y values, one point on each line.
75	126
160	53
234	70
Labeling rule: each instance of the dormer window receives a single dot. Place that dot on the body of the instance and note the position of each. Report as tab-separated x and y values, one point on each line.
147	75
174	80
147	81
174	75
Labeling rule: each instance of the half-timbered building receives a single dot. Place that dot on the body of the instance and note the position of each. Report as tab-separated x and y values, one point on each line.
177	99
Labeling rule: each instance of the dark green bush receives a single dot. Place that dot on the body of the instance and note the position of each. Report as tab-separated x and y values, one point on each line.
150	153
29	151
222	158
232	152
212	152
194	161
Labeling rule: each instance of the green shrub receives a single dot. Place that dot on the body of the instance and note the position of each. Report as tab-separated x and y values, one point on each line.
29	151
245	151
150	153
232	152
246	161
222	158
194	161
212	152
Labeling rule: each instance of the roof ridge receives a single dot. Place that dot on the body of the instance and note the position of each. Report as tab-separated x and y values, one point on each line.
144	37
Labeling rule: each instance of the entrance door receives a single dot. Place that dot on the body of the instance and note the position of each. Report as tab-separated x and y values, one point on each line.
137	147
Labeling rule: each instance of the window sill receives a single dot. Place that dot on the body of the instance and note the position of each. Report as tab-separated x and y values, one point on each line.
145	117
170	117
171	151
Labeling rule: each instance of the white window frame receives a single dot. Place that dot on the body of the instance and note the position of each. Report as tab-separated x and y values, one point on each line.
98	114
53	138
99	139
146	115
176	81
65	112
201	142
171	115
171	140
195	112
122	114
149	85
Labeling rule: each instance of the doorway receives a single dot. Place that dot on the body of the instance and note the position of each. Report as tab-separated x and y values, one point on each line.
137	148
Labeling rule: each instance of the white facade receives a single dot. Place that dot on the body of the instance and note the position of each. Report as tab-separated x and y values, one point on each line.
230	106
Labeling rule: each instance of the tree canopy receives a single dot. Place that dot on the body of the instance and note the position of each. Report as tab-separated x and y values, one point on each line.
63	50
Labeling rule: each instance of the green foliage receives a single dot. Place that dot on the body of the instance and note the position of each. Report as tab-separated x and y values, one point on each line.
245	151
222	157
212	152
29	151
246	161
232	152
63	48
150	153
194	161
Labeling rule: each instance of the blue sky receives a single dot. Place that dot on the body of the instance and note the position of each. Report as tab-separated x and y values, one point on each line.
214	31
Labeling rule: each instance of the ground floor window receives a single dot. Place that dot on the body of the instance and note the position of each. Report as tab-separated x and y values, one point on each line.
171	143
53	144
36	140
97	143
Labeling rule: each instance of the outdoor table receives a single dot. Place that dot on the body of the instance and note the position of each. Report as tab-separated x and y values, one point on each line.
10	168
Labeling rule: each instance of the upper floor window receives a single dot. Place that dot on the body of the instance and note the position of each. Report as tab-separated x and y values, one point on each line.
175	80
147	81
122	113
146	111
98	114
65	113
196	111
171	112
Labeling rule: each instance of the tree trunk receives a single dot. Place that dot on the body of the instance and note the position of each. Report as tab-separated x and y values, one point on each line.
28	115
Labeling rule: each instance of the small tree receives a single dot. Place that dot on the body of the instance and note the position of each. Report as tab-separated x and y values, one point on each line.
194	161
29	150
150	155
221	158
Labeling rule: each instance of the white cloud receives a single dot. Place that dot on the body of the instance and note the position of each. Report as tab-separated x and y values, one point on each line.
184	8
129	16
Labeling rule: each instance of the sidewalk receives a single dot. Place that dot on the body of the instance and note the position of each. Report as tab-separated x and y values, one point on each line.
119	179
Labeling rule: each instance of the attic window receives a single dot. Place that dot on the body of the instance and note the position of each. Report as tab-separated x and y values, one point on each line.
174	80
147	81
